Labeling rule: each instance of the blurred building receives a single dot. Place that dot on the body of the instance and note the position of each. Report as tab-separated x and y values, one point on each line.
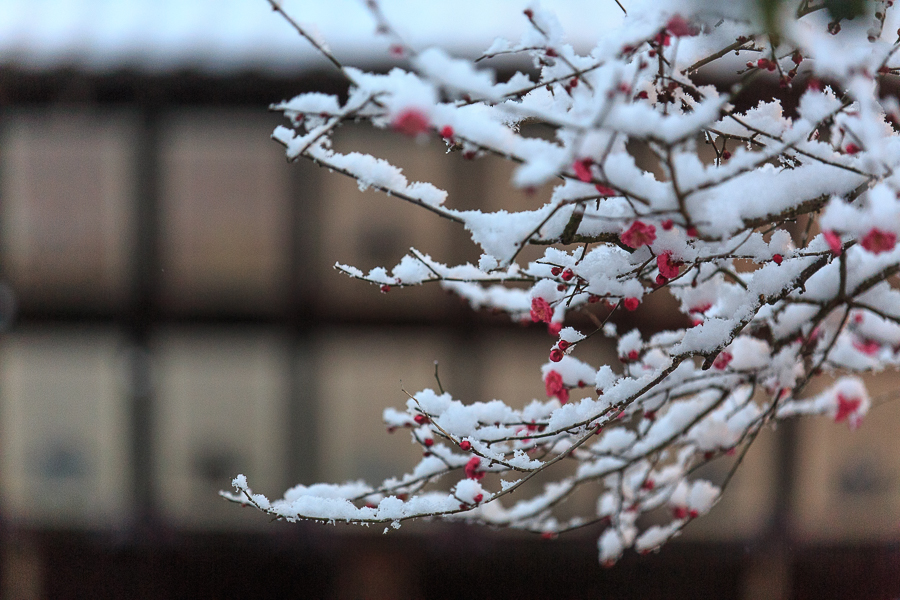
171	318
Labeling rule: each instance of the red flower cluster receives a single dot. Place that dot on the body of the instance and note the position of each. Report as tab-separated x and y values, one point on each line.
877	241
765	63
555	387
679	27
722	360
472	469
582	169
541	311
668	268
638	235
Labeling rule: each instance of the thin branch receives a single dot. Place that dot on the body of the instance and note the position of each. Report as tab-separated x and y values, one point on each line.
276	6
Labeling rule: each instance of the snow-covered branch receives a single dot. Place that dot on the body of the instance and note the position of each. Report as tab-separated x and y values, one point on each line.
773	225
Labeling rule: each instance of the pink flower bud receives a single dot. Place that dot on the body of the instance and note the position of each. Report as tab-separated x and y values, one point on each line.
722	360
834	242
847	409
410	122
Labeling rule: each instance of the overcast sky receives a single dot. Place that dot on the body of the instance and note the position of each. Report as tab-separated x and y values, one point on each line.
223	35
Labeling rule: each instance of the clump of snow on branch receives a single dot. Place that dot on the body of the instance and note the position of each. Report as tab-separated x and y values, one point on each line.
774	227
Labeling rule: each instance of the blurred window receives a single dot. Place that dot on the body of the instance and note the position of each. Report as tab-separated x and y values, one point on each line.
64	430
360	373
224	213
67	218
221	407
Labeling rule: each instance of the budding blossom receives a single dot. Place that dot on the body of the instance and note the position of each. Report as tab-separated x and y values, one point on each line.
411	122
847	410
834	242
764	306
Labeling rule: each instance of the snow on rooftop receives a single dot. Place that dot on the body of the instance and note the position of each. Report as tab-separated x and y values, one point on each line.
222	36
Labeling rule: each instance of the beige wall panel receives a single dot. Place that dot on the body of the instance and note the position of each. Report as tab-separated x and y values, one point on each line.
224	212
67	214
360	372
848	482
221	406
747	503
64	431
